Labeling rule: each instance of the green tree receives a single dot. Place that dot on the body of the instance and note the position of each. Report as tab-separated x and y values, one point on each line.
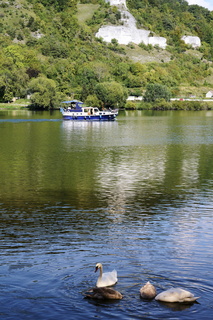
92	101
44	93
16	53
156	91
8	96
59	4
112	94
88	80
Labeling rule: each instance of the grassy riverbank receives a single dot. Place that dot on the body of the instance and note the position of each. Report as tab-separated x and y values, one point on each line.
157	105
161	104
19	104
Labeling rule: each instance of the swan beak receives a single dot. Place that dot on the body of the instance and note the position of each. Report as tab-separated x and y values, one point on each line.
96	269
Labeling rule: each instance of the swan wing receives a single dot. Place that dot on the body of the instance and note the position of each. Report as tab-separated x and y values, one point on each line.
176	295
186	296
107	279
110	277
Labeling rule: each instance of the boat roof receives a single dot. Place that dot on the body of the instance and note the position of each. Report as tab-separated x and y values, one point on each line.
72	101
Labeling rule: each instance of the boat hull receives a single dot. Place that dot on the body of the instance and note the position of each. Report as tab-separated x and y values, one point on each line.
90	118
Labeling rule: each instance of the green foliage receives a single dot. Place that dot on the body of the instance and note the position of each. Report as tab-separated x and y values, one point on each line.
48	38
44	93
130	105
58	4
191	105
161	104
93	101
155	92
147	47
105	15
165	17
88	79
54	48
115	46
16	53
8	95
112	94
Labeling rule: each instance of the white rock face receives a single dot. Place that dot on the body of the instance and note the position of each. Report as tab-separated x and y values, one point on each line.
192	40
124	35
117	3
161	41
128	32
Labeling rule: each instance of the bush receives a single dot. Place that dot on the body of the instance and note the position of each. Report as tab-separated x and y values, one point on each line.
130	105
93	101
156	91
44	94
112	94
162	104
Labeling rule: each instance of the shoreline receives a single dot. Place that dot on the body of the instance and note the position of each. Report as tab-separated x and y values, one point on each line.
12	106
161	105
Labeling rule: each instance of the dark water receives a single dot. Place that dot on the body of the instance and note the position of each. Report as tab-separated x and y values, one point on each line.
135	194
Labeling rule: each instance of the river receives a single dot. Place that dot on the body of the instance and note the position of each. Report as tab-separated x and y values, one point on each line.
135	194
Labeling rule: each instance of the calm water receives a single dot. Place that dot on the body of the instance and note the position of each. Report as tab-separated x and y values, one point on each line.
135	194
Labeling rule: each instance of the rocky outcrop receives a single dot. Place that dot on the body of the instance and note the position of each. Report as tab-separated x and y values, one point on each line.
192	41
117	3
123	34
127	32
160	41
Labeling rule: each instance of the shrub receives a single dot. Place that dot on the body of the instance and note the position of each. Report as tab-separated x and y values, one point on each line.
130	105
156	91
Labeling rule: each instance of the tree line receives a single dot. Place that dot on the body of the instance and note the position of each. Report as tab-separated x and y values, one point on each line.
48	54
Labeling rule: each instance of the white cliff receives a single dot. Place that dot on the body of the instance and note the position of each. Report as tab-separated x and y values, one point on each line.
160	41
192	41
123	34
117	3
128	32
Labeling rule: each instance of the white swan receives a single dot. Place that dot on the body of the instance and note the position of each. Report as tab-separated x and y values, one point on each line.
148	291
105	279
104	294
176	295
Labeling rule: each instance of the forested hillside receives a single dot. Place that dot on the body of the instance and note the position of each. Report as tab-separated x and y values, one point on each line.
49	50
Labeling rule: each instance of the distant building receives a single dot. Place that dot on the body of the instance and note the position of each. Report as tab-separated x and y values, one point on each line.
15	98
134	98
209	94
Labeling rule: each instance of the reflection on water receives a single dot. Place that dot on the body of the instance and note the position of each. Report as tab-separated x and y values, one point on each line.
135	194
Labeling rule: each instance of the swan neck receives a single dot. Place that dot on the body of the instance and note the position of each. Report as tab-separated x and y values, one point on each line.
101	271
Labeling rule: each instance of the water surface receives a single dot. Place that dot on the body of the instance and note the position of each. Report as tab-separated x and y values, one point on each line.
135	194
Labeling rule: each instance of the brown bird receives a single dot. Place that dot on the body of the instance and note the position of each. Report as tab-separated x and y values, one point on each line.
148	291
104	293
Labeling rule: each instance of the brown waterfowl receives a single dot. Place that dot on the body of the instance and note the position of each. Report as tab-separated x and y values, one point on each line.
104	293
148	291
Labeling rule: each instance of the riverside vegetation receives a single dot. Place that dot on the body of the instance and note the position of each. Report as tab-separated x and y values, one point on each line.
49	51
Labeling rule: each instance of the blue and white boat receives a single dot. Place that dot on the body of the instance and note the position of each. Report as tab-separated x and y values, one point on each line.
77	110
